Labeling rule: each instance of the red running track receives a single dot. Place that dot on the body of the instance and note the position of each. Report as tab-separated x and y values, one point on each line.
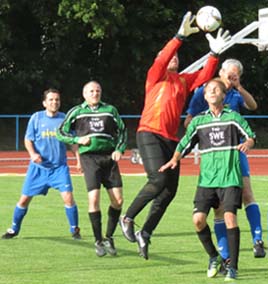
16	163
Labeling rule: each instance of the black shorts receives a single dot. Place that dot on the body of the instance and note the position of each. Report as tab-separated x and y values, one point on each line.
100	169
205	198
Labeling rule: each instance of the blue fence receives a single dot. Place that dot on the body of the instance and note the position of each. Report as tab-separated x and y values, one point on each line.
18	117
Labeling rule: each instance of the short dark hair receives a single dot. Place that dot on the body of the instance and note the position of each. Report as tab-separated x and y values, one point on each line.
220	83
50	90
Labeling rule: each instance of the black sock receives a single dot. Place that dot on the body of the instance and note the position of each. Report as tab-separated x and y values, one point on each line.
95	219
113	217
206	240
233	236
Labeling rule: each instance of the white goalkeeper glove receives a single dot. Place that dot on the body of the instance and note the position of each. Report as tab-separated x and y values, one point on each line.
185	28
217	44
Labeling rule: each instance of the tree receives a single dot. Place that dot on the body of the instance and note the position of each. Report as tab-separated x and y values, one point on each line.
65	43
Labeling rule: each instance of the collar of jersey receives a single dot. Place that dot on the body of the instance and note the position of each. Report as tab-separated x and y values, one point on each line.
85	105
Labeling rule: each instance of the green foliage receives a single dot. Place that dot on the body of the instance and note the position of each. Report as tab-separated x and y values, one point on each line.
103	17
65	43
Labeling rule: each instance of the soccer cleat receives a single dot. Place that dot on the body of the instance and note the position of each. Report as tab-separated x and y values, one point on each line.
76	234
10	233
143	244
127	227
213	266
100	249
109	246
231	274
224	266
258	249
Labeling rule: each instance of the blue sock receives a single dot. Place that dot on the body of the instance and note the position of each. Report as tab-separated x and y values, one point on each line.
18	215
221	235
254	219
72	216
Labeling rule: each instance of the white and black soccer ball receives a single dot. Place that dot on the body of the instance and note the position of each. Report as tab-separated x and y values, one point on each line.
208	18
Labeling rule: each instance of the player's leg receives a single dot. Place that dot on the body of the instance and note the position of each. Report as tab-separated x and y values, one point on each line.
157	211
19	213
233	234
161	202
205	199
112	181
254	218
93	177
252	209
61	180
232	201
34	184
221	233
114	211
153	157
71	212
95	218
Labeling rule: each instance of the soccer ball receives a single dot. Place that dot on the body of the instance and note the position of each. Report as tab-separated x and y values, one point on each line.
208	18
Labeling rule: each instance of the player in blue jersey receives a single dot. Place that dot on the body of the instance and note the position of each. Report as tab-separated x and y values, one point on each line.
48	165
236	98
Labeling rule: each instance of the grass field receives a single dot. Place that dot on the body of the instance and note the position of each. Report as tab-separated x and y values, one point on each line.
45	253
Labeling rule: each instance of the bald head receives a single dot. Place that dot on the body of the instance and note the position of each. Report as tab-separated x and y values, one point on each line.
92	93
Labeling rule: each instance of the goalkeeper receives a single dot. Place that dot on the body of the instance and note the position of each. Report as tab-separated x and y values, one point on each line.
166	92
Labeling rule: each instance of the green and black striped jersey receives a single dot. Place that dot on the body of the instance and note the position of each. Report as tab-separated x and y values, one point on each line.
218	138
102	124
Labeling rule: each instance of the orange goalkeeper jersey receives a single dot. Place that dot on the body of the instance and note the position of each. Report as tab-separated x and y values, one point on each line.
166	92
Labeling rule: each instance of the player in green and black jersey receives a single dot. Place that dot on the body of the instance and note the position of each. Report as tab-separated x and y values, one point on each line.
101	135
218	131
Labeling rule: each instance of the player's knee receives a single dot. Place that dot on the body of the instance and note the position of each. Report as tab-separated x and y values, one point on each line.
24	201
68	198
230	219
199	222
117	203
158	179
247	197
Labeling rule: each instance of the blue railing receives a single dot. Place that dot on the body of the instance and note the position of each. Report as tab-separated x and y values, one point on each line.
17	118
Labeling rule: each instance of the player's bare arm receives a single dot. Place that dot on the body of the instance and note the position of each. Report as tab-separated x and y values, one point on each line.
84	140
250	102
187	120
116	156
35	157
246	146
172	164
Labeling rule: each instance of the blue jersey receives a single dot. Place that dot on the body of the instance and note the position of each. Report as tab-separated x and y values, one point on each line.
41	130
233	99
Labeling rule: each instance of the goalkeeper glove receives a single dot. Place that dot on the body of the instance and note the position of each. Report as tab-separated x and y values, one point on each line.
185	28
217	44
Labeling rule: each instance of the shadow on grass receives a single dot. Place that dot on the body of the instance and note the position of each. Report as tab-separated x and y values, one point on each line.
170	257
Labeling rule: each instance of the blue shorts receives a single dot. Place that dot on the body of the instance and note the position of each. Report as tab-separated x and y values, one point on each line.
244	165
38	180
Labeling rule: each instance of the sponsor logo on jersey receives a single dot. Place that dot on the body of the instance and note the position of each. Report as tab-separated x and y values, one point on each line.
48	133
96	124
216	136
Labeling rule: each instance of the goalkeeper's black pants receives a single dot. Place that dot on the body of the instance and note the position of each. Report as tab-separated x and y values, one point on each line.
155	151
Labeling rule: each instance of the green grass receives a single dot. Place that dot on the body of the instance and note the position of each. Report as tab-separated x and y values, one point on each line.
45	253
